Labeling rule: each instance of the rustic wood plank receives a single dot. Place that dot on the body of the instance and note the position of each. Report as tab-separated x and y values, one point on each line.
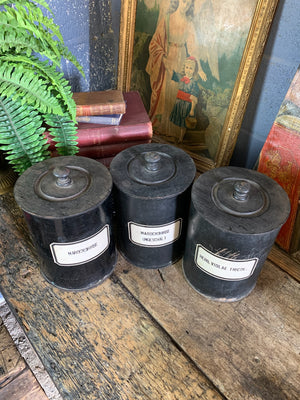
11	362
23	387
96	344
284	261
17	382
27	353
250	349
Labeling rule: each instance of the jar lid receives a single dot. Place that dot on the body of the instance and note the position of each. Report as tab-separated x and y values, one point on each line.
153	170
151	167
63	182
62	186
240	200
240	197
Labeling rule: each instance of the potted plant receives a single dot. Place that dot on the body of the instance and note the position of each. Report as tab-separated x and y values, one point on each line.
34	95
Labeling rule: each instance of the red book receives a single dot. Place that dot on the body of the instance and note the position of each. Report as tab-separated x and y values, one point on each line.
99	103
107	150
135	125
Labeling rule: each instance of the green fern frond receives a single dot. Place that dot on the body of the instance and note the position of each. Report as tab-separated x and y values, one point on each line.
14	42
31	17
33	92
20	83
28	29
21	134
42	34
23	19
64	134
66	54
31	14
40	2
57	84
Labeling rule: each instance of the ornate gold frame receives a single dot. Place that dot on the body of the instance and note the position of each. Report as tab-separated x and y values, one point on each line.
257	37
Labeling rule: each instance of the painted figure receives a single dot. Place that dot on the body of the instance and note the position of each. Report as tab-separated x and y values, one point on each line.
173	41
183	112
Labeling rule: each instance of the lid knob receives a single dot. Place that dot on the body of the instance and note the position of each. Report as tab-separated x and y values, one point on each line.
241	190
152	159
62	175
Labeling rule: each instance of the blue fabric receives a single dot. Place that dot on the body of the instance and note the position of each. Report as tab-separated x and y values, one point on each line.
182	108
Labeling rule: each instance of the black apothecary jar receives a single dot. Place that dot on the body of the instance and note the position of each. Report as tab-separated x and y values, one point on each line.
67	204
234	219
152	185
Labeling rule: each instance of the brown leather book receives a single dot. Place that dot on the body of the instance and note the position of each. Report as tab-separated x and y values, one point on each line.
104	102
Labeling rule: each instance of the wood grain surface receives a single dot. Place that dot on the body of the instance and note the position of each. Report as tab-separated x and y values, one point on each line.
11	362
16	380
23	387
96	344
290	264
147	334
250	349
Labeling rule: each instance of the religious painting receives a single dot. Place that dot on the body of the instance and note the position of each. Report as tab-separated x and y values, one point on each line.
194	62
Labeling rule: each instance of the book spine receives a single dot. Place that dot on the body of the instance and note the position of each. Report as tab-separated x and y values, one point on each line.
108	135
113	119
100	109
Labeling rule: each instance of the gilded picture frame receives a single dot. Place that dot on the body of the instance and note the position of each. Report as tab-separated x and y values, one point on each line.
219	151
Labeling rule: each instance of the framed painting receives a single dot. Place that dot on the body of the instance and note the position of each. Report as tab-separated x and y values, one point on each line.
194	63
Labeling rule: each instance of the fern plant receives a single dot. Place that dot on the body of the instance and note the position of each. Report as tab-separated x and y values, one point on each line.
33	91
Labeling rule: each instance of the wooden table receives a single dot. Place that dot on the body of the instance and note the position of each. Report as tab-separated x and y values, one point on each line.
146	334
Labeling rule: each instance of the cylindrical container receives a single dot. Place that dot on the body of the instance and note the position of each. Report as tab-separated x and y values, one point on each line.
235	216
67	204
152	184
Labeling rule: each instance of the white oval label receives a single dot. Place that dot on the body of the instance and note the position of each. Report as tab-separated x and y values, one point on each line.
225	268
154	235
82	251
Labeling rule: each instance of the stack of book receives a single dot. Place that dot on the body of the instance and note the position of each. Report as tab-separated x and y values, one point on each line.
103	107
109	122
